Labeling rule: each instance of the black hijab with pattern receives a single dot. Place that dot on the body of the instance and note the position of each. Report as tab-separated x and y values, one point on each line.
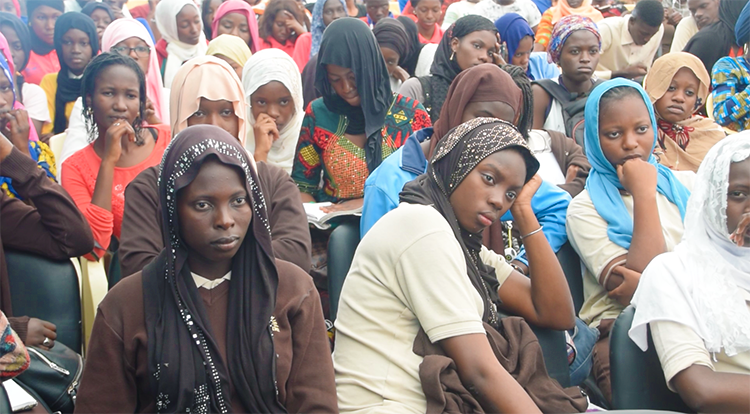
456	155
415	46
349	43
185	367
445	67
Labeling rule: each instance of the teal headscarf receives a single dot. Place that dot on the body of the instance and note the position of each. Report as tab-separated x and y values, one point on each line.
603	185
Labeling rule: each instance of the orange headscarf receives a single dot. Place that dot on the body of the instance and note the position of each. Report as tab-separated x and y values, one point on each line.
585	9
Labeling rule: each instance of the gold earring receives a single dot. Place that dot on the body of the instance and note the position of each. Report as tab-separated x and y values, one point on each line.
453	55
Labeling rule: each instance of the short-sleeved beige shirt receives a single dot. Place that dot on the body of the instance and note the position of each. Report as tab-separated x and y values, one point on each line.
408	272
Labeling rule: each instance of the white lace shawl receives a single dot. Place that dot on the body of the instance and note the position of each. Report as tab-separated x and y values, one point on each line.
699	284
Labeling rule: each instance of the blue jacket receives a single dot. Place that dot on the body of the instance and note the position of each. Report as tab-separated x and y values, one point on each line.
382	187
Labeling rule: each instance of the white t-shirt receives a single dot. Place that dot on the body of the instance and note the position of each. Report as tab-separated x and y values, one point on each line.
456	11
587	232
35	102
493	10
408	273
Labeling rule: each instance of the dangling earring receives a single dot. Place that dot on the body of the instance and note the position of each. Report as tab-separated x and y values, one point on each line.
453	55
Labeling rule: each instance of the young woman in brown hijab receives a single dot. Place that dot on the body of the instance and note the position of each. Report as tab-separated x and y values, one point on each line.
677	85
214	323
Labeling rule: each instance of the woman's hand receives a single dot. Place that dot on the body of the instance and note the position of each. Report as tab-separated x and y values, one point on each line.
738	237
39	331
572	173
113	139
638	177
16	128
344	206
149	114
400	74
624	292
266	133
523	199
292	24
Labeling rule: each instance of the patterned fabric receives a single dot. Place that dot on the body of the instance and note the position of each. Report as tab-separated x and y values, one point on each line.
322	148
563	29
544	29
679	134
729	81
45	159
14	358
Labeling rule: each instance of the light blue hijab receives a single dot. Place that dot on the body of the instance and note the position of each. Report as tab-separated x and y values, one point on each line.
317	29
603	185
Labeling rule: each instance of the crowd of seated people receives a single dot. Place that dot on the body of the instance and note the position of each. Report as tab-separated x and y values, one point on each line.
373	206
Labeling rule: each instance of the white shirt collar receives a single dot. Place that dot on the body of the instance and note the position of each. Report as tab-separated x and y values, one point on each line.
202	282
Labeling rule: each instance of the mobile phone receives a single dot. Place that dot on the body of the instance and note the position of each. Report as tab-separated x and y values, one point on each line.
504	52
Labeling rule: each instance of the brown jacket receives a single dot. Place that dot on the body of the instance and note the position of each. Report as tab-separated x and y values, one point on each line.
141	240
53	227
518	351
116	376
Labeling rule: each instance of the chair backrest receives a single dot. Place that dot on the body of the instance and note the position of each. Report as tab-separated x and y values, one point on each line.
56	145
571	266
94	286
341	248
48	290
637	378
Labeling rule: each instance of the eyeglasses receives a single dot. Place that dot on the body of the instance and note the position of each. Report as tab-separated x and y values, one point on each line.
125	51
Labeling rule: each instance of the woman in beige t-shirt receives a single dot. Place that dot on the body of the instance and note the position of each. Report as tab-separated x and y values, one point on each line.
422	266
630	211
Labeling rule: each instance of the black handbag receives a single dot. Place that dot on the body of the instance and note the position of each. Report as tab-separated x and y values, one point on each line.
54	375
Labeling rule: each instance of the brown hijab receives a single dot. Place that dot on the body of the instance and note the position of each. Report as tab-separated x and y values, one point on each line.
682	145
481	83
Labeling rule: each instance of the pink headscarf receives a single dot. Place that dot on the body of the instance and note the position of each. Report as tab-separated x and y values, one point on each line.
122	29
5	50
239	6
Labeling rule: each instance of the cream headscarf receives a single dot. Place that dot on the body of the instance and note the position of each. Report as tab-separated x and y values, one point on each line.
267	66
178	52
205	77
699	284
696	134
230	46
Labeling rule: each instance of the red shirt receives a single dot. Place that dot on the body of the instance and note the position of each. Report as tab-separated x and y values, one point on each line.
272	43
302	48
39	66
79	174
141	11
437	35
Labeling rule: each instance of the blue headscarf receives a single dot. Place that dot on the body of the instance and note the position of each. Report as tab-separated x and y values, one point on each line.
603	185
512	28
316	31
742	27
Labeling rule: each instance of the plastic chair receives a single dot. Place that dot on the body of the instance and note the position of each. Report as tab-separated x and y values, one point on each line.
48	290
56	145
571	266
94	286
637	378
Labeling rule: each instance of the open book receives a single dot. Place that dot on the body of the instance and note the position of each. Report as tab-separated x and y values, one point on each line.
319	219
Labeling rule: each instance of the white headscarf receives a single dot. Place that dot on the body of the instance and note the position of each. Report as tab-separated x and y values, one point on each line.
178	52
267	66
699	284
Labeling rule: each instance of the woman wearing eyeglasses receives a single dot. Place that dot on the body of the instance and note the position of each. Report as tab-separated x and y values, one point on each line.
130	38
